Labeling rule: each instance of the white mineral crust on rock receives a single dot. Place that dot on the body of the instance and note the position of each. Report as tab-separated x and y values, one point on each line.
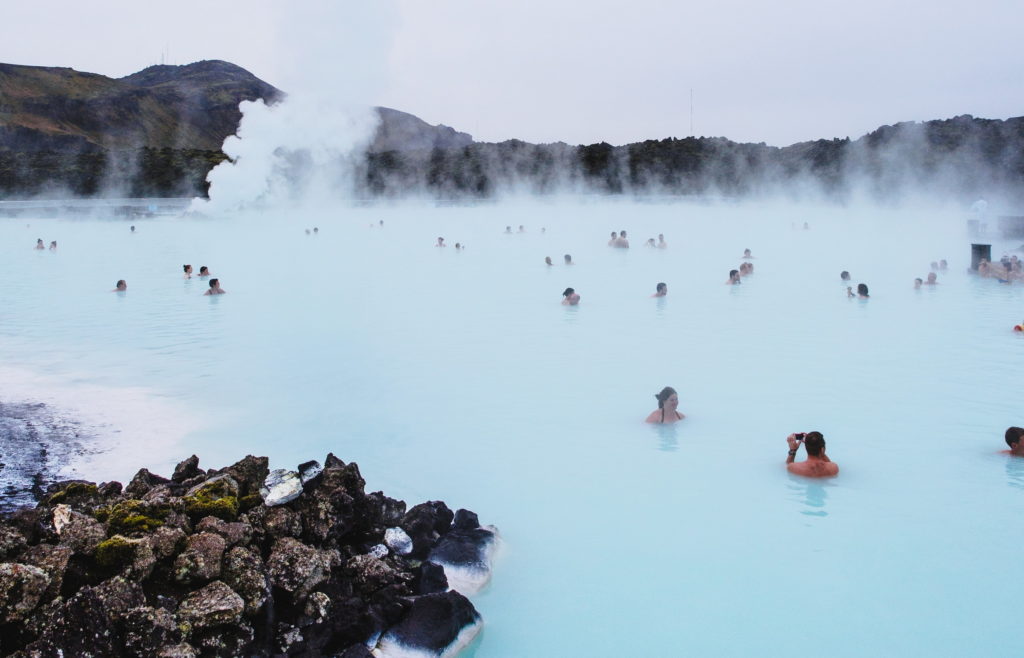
280	487
398	541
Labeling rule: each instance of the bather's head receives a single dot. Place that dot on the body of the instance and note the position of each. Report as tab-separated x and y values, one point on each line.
1014	436
814	444
667	396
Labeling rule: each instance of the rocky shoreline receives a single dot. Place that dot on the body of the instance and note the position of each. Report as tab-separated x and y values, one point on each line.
34	442
239	561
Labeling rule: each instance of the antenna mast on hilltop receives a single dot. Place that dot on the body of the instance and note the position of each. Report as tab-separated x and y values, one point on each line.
691	111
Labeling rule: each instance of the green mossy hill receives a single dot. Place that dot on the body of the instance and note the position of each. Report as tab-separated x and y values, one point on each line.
193	107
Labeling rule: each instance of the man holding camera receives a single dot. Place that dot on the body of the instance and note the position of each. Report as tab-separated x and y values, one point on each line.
818	465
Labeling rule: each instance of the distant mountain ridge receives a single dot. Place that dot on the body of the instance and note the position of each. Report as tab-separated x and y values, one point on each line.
159	131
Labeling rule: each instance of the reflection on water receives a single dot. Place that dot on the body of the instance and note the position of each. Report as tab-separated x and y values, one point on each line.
1015	472
812	493
668	439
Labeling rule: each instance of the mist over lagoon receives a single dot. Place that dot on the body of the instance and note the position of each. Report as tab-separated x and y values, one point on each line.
457	375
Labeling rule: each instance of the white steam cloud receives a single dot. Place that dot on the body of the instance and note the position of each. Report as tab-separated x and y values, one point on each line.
334	60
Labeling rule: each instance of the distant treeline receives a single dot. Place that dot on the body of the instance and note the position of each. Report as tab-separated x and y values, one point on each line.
144	172
963	158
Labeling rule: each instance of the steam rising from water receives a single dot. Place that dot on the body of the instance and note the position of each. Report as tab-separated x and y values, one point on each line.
334	57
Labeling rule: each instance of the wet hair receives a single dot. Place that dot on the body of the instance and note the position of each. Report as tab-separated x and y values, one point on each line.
204	269
568	258
568	291
664	395
214	283
614	234
733	273
186	268
862	289
660	287
622	234
844	275
918	280
1014	435
120	282
746	251
814	443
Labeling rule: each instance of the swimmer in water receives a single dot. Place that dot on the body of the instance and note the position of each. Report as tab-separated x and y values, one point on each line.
917	283
862	291
53	245
39	244
547	260
133	228
120	286
570	298
615	236
440	242
315	230
817	464
660	290
667	411
458	246
204	271
622	242
734	278
844	276
508	229
649	243
746	254
215	288
661	241
188	271
931	279
522	229
1013	440
568	259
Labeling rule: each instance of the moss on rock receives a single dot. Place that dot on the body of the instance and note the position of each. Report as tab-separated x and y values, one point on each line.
73	490
216	497
132	516
115	552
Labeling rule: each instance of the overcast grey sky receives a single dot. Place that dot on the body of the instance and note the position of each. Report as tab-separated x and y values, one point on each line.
578	71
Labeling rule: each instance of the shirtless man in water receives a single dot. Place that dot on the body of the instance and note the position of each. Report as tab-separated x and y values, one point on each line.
215	288
818	465
1014	436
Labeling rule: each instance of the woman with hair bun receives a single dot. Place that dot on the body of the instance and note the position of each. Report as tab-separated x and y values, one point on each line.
667	412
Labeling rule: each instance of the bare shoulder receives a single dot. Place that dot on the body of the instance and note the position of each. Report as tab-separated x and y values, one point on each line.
655	417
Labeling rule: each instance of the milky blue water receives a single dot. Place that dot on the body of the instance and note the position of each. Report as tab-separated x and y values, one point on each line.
457	375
